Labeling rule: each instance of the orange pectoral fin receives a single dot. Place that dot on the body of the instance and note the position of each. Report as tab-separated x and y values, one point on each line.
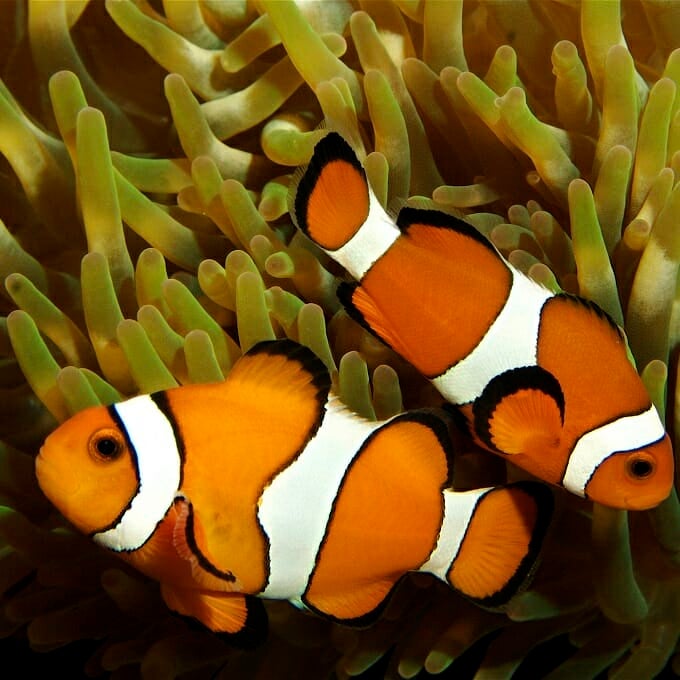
331	200
220	612
187	535
502	542
521	412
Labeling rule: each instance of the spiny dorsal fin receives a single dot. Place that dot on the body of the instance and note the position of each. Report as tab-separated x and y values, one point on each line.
410	219
282	366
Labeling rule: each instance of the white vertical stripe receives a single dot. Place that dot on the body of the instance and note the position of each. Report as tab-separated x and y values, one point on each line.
459	507
295	508
510	342
594	447
371	241
159	465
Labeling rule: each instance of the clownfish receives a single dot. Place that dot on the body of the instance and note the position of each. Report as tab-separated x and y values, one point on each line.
266	485
542	379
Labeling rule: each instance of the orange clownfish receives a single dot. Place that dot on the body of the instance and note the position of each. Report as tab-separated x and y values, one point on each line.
266	485
541	378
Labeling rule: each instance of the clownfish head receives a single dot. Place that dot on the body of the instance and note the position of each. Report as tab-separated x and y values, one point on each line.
627	463
87	470
640	479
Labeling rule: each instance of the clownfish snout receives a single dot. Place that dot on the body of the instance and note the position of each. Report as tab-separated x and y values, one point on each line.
634	480
51	479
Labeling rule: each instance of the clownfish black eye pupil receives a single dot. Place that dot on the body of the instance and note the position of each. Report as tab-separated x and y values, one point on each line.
641	468
107	447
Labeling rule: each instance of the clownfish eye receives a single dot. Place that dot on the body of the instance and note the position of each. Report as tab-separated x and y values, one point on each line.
106	445
640	466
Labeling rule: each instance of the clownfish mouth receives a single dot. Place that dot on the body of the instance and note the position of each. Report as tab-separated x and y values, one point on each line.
52	482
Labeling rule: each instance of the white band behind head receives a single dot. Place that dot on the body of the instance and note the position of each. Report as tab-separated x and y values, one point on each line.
159	464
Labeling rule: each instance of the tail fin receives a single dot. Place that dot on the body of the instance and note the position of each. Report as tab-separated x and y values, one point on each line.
500	543
330	199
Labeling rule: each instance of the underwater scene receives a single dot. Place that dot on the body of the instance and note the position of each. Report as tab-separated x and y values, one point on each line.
169	171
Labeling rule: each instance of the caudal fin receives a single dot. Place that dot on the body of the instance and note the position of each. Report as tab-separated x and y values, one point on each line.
329	200
500	545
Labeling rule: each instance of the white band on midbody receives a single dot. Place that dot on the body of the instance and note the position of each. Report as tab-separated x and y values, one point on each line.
159	467
621	435
371	241
459	507
295	508
510	342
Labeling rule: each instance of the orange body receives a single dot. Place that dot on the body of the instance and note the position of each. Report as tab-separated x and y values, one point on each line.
280	492
542	379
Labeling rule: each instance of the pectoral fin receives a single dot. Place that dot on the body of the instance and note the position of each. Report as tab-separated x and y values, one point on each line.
520	412
187	535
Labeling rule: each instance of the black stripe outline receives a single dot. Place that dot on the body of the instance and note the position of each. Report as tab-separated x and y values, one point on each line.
163	404
613	453
118	421
321	379
432	218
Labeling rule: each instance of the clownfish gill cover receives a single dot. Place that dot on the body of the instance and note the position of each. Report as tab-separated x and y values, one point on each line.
457	223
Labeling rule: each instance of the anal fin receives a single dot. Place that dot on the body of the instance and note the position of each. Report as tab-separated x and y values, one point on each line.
187	534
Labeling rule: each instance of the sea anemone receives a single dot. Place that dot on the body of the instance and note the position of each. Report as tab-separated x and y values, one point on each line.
146	147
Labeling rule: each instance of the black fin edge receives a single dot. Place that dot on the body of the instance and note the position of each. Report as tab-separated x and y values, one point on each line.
545	504
331	147
345	293
436	218
507	383
593	307
203	561
365	620
311	363
321	379
437	420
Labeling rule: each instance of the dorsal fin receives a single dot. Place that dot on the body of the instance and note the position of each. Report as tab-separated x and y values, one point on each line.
592	307
280	365
409	219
